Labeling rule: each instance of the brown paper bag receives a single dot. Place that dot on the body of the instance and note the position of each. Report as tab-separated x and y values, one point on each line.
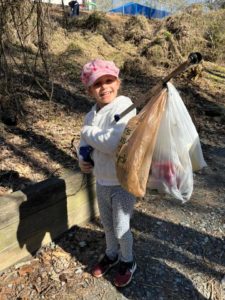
136	147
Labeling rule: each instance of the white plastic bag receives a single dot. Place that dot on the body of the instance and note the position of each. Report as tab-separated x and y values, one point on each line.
177	151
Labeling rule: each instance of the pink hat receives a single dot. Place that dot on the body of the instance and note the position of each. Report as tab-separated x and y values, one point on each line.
97	68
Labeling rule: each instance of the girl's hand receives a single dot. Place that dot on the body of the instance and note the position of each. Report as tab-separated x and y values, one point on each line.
85	167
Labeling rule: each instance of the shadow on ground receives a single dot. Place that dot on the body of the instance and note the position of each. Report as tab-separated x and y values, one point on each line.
11	179
158	244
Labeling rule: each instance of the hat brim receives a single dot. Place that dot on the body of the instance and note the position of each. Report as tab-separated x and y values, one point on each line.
99	74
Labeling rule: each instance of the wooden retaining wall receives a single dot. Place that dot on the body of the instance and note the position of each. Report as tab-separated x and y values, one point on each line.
40	213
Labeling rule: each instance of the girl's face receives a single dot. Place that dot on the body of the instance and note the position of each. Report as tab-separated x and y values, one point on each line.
104	89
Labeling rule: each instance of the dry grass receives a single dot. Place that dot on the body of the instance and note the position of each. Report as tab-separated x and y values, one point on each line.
161	43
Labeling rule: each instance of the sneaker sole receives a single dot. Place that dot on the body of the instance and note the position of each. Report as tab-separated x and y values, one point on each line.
100	275
125	284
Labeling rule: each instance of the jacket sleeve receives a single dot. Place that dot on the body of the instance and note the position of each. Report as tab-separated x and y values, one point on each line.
106	140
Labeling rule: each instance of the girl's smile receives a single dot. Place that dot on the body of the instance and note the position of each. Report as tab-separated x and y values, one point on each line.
105	89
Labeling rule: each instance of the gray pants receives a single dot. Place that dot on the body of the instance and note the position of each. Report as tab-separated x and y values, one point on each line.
116	208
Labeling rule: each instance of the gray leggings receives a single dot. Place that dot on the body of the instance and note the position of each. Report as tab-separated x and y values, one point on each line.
116	208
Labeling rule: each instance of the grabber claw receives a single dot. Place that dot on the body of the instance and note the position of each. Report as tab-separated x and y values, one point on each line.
195	57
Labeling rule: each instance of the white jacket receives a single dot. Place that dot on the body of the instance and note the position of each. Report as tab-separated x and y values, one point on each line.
102	133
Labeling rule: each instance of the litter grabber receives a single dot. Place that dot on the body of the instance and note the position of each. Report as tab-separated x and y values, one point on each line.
193	58
160	147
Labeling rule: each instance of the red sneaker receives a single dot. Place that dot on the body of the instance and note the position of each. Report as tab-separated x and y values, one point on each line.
103	266
125	273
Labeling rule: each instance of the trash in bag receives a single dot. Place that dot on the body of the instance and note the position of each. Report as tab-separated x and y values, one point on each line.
160	148
135	150
177	151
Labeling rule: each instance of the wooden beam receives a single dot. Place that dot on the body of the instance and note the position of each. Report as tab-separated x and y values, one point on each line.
35	216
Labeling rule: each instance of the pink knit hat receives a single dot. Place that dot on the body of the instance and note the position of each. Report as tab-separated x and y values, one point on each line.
97	68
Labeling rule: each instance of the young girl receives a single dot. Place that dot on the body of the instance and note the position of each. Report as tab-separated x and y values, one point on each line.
102	133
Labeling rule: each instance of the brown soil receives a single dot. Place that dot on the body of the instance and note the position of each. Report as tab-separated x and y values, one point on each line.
179	248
